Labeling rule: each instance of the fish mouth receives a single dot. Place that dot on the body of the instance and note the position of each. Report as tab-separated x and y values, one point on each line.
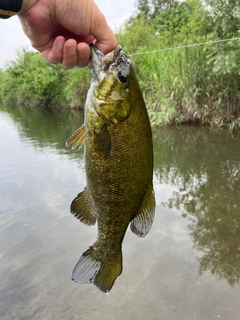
96	61
99	61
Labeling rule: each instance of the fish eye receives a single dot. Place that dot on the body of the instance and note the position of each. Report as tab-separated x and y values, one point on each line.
122	78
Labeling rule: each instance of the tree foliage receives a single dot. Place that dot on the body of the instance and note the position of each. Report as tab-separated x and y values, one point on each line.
30	80
195	84
152	8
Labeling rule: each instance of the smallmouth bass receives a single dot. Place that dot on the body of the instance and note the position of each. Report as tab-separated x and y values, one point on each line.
117	138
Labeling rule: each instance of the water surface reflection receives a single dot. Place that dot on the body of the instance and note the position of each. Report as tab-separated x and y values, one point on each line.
205	170
188	266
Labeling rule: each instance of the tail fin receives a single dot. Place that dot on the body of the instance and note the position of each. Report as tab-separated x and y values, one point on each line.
92	269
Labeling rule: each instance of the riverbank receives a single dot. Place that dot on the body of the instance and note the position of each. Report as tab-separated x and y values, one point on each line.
198	84
168	93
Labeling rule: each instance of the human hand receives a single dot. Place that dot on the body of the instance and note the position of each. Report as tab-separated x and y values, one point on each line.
62	29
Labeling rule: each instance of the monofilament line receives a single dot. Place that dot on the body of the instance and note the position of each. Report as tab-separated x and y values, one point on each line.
186	46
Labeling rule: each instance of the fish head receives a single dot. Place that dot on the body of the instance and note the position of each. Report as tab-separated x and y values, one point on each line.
112	77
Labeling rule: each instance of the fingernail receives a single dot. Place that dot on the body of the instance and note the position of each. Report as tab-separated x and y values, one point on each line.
71	49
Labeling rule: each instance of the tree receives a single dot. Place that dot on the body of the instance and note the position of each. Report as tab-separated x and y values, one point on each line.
143	7
151	8
225	17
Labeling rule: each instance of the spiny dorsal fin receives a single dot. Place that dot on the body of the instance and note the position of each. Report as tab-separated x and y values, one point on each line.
142	223
82	210
77	139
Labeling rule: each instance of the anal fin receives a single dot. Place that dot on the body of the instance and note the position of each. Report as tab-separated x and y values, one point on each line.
143	221
77	139
81	209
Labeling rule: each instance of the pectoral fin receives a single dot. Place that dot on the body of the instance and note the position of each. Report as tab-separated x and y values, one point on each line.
77	139
82	210
142	223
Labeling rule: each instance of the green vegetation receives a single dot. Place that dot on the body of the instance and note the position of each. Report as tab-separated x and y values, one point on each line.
198	84
31	81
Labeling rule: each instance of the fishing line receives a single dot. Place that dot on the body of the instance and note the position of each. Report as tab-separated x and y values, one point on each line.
185	46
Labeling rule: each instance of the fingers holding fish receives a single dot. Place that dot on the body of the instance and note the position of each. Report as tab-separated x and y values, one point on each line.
68	53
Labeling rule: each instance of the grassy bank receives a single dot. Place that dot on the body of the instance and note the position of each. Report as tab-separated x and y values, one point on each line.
31	81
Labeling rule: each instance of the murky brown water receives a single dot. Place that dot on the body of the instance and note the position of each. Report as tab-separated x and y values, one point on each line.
188	266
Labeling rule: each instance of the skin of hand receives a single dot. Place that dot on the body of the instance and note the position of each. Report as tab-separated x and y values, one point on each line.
61	30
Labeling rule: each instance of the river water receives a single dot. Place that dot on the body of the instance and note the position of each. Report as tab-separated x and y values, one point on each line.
187	267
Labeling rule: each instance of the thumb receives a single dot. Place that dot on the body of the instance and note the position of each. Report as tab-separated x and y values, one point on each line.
105	38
